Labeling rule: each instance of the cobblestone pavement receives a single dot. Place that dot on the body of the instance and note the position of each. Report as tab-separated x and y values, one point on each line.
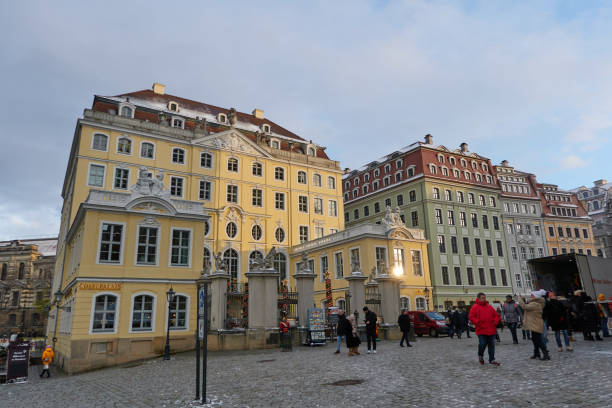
438	372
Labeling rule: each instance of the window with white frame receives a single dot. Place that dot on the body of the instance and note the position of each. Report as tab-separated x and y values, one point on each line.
232	165
256	232
176	186
121	179
316	180
178	155
257	197
404	303
104	317
146	252
206	160
420	303
303	233
173	106
100	142
147	150
96	175
381	259
398	257
178	123
178	313
126	111
231	229
222	118
279	234
303	203
180	247
142	313
232	194
205	190
257	169
331	182
279	201
332	208
301	177
339	264
230	256
111	238
275	144
279	173
124	145
319	232
318	206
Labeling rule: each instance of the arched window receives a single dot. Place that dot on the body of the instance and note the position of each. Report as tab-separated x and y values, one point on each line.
331	182
147	150
100	142
142	313
206	160
280	265
301	177
124	145
105	313
311	151
178	313
231	229
21	271
206	259
231	257
126	111
316	180
257	169
4	271
404	303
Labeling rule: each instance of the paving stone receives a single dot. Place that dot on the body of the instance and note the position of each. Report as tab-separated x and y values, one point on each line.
435	372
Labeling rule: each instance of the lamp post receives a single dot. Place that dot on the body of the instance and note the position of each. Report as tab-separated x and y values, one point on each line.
426	291
170	299
57	296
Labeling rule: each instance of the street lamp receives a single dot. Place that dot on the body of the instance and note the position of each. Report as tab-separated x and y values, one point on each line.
170	297
58	298
426	291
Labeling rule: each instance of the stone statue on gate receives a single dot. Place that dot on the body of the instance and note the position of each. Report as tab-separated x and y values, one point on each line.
304	263
268	261
256	263
220	263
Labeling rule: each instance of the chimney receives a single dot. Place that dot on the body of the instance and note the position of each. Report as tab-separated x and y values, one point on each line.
258	113
428	139
159	89
464	147
504	163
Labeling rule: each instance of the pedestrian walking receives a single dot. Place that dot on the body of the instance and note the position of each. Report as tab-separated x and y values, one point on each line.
459	323
465	320
499	324
511	316
450	316
403	322
370	322
604	312
557	316
533	322
285	329
47	359
341	329
589	316
352	336
485	320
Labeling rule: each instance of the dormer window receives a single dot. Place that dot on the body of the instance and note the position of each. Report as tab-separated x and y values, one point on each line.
444	171
275	144
463	163
366	177
173	106
398	163
456	173
485	167
266	128
311	151
178	123
451	160
376	173
356	181
441	158
387	168
410	171
222	118
124	145
474	165
126	110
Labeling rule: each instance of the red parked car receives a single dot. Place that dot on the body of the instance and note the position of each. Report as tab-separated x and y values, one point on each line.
430	323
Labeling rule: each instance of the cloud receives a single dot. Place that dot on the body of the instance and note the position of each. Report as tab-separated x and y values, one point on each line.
573	162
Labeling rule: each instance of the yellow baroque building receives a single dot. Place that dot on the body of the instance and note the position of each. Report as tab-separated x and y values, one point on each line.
257	185
375	251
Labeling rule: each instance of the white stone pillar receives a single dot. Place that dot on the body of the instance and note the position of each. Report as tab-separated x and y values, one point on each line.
218	301
356	281
304	282
263	299
389	302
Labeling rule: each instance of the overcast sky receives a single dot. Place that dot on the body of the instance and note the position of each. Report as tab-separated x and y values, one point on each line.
528	83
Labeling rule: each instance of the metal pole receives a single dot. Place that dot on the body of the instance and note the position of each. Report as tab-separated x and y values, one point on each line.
167	348
197	347
204	343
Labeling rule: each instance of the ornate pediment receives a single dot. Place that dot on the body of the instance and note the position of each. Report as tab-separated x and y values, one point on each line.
400	233
231	140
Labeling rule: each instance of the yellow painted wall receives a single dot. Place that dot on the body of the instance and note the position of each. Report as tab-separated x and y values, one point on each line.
569	243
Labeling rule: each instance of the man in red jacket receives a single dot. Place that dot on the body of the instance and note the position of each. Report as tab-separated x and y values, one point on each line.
485	319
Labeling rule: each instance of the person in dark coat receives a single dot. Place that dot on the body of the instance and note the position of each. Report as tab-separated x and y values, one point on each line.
557	317
588	314
458	323
403	322
370	322
466	325
341	329
352	336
